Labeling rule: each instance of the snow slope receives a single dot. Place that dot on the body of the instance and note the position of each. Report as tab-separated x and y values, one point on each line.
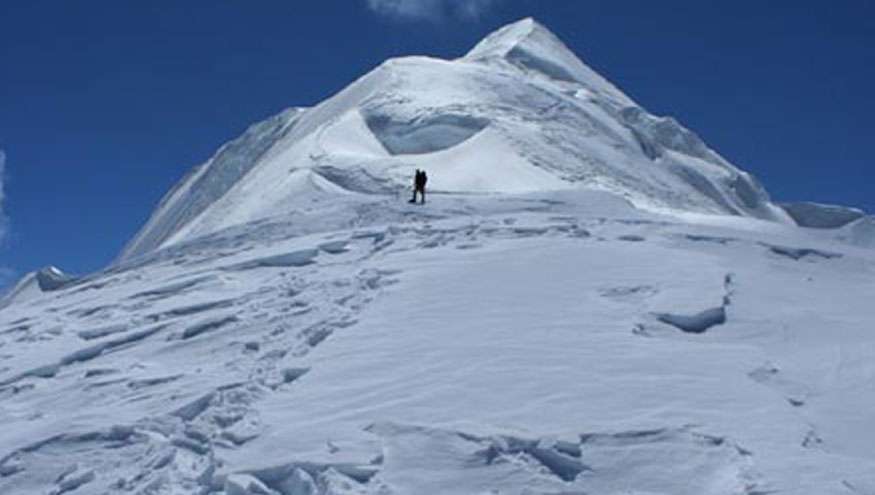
520	112
559	342
594	302
860	232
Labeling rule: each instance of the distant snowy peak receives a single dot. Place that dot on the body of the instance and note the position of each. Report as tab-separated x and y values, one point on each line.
35	283
530	46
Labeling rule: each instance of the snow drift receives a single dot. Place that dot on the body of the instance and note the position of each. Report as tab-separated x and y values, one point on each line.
860	232
821	216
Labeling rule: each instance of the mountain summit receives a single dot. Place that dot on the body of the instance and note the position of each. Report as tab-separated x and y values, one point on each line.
529	45
519	113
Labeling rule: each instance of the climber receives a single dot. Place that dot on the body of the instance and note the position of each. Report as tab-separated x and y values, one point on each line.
419	181
415	185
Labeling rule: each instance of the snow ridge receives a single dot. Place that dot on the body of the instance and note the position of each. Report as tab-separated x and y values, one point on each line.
530	46
519	113
210	181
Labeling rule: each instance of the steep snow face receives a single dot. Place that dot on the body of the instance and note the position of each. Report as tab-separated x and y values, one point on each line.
426	135
519	113
210	181
530	46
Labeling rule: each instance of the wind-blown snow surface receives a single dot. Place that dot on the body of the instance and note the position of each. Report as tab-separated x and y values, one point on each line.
514	344
287	323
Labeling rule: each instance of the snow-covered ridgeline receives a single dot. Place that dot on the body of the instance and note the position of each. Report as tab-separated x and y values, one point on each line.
520	112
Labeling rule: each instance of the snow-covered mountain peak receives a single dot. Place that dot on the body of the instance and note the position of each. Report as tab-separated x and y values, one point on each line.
527	35
520	113
503	40
530	46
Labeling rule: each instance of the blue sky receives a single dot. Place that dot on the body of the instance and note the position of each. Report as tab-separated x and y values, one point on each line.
104	105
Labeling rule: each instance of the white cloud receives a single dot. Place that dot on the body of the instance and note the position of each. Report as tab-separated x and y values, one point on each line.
473	9
431	10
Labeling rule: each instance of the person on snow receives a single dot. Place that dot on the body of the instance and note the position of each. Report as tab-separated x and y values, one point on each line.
415	185
419	182
423	179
